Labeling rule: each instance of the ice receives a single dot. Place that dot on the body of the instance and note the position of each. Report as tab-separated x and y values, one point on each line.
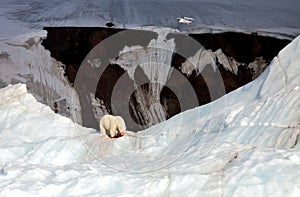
228	64
254	153
248	148
25	60
155	62
258	66
20	133
198	62
204	57
264	17
263	173
243	144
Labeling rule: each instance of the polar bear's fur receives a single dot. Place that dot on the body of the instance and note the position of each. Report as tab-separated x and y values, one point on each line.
109	124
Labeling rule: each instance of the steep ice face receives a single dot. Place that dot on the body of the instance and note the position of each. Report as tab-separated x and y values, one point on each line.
25	60
228	63
199	61
258	66
203	58
155	62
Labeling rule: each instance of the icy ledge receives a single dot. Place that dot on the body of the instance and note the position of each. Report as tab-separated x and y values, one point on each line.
244	144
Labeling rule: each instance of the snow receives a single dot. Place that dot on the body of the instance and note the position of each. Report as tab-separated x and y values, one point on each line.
19	134
273	173
229	63
270	17
205	57
243	144
258	66
23	59
248	148
199	61
155	62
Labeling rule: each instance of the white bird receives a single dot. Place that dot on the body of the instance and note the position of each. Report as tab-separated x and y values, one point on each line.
185	20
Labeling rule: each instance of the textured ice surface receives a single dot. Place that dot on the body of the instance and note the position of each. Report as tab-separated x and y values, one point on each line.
249	147
23	59
243	144
266	17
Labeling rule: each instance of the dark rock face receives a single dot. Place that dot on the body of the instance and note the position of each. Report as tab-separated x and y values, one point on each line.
70	45
242	47
107	82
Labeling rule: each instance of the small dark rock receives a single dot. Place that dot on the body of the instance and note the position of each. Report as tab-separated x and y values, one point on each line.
110	24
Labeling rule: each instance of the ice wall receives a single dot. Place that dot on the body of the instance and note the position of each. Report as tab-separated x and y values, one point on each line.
155	62
23	59
204	57
152	65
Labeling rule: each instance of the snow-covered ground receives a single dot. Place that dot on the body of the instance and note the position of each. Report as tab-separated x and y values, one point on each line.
244	144
268	16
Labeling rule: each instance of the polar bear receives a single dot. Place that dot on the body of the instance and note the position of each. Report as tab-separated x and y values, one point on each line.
109	124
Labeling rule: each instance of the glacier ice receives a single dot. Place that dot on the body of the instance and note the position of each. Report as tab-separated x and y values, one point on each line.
27	61
248	148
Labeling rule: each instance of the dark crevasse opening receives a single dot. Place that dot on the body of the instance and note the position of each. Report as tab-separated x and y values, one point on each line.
239	57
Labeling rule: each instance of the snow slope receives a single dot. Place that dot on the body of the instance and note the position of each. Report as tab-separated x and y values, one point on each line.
265	17
243	144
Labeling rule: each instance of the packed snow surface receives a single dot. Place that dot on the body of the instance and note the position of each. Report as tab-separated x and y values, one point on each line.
243	144
265	17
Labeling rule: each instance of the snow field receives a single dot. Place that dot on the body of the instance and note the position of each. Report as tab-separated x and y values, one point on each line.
244	144
39	157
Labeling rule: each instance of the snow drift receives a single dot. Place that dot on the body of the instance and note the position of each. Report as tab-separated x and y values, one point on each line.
249	147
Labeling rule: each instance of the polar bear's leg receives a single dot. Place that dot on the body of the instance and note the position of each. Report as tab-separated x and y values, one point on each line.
105	124
103	130
112	129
